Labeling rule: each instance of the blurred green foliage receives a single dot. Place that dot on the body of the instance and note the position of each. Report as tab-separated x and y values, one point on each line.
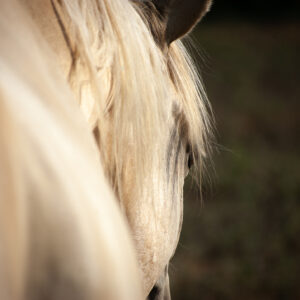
244	241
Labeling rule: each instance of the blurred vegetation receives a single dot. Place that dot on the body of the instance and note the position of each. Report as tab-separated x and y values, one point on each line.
243	242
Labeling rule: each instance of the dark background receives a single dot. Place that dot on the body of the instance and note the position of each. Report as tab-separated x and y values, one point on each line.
255	10
243	241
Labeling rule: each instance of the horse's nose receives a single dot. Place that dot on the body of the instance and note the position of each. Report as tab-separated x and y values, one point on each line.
161	290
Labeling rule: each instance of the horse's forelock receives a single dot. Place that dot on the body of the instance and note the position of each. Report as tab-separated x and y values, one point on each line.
120	47
186	81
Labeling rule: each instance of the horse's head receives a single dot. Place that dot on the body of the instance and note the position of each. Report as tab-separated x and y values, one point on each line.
154	202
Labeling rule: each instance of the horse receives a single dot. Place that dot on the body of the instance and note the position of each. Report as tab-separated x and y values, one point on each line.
143	102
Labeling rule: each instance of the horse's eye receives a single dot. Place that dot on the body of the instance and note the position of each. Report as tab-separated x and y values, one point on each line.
190	160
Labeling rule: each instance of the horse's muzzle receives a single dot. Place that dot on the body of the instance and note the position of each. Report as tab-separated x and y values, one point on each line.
161	290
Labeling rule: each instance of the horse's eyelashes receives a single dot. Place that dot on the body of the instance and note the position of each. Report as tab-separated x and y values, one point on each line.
190	160
189	152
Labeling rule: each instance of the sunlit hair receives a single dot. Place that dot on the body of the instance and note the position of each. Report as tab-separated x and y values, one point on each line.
131	79
61	233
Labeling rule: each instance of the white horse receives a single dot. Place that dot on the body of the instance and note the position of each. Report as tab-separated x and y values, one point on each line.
145	104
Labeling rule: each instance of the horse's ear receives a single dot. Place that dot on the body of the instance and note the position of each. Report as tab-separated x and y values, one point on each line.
181	15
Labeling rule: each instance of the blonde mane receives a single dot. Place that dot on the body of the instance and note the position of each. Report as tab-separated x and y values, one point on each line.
131	79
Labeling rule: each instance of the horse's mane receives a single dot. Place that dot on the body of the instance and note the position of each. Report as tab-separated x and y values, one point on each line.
61	233
132	79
